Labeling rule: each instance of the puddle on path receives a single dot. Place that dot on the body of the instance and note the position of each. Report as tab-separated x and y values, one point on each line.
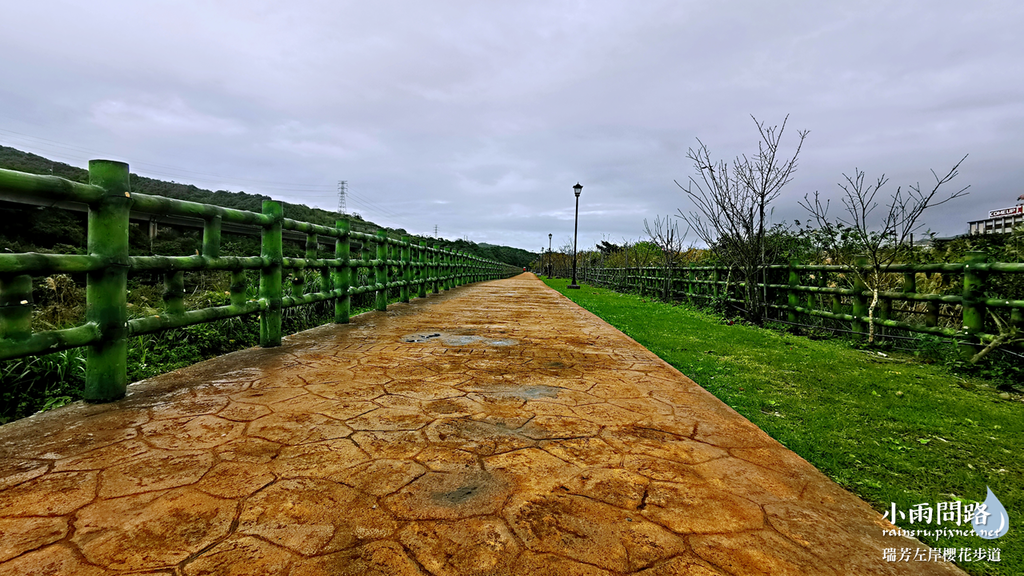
457	339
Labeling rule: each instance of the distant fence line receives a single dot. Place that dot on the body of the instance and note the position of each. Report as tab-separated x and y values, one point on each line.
798	291
399	264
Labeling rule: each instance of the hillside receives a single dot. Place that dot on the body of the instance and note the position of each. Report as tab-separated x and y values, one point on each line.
29	229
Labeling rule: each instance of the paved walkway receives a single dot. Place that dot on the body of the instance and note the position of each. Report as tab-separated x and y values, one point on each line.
494	429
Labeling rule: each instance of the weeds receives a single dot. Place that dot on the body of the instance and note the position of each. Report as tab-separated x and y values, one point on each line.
28	385
37	383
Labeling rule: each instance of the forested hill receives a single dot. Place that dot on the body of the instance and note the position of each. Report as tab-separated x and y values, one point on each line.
60	232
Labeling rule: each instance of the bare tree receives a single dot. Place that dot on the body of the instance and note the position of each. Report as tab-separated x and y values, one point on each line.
1008	334
882	236
566	248
732	203
665	235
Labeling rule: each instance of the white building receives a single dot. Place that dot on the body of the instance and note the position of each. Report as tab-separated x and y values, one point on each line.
1001	221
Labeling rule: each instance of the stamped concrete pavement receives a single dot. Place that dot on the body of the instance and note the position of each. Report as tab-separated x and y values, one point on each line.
494	429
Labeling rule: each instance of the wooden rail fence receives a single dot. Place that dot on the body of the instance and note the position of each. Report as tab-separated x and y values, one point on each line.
399	264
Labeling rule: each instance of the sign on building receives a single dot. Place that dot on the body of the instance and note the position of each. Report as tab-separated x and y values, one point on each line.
1006	212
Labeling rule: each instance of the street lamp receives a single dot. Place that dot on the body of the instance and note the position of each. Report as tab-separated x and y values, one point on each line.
575	230
549	256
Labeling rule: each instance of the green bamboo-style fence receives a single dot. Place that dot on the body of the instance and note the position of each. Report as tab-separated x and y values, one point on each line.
797	292
399	264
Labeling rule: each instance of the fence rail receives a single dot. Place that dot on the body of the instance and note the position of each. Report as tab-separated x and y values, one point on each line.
411	268
798	290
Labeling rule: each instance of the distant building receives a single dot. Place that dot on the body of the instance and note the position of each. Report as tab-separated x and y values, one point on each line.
1001	221
930	241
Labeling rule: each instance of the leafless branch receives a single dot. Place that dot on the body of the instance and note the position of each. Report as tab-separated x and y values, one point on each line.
882	236
731	203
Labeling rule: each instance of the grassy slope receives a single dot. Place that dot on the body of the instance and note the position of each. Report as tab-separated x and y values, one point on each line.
887	428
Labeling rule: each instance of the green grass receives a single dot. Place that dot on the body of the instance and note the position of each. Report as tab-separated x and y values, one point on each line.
887	428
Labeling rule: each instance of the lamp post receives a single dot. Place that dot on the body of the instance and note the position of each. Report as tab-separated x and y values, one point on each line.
575	230
549	256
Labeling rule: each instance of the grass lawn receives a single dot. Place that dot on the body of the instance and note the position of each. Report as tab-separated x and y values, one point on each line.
887	428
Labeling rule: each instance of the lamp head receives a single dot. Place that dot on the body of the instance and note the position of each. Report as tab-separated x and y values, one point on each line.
578	188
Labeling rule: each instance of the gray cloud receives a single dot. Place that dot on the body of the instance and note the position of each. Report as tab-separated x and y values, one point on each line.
479	117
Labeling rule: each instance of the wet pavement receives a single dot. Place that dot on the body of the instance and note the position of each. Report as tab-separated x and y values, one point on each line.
493	429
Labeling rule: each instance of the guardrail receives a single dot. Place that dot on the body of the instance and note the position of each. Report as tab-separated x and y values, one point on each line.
816	290
399	264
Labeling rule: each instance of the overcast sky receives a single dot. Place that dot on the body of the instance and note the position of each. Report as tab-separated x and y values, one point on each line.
479	117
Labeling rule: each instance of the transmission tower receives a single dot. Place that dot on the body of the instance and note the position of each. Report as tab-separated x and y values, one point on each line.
435	230
342	191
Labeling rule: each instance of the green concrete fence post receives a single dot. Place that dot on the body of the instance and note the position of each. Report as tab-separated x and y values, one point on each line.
694	290
435	269
884	313
837	301
211	237
814	300
860	303
453	274
211	248
326	282
238	287
271	276
909	283
442	271
300	273
931	314
343	273
422	271
106	364
174	292
666	284
446	264
311	246
793	296
364	253
973	303
15	306
406	268
446	269
381	271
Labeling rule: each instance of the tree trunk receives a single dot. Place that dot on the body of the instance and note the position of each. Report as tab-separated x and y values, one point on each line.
750	293
871	313
995	343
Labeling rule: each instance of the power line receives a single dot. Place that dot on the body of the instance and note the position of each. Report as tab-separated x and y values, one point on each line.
176	172
374	206
317	190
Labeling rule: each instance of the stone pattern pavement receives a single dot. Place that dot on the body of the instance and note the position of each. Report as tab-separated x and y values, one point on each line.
494	429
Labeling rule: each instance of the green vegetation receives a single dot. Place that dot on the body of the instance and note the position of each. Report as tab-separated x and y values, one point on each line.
999	349
37	383
885	426
35	229
28	385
